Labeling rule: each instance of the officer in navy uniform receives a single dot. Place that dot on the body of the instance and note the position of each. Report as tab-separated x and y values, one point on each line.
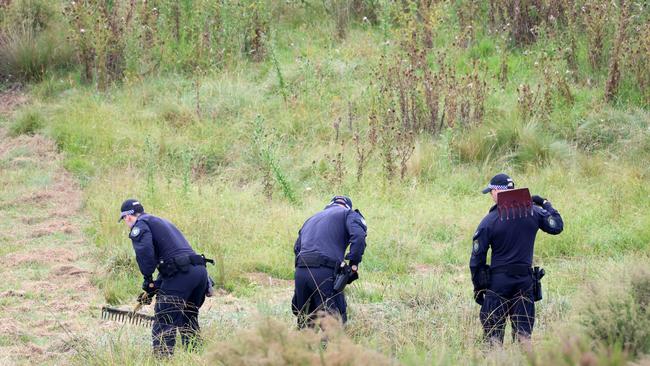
505	287
182	277
320	250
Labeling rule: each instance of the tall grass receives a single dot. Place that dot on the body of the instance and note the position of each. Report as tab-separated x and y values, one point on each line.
28	55
27	123
32	41
239	186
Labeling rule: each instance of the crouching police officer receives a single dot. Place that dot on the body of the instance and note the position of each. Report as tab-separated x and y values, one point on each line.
320	254
506	287
182	277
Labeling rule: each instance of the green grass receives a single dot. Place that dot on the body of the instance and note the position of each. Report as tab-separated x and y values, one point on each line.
27	123
205	173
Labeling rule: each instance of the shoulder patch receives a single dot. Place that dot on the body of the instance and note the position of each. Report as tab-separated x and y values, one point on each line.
135	231
551	222
475	246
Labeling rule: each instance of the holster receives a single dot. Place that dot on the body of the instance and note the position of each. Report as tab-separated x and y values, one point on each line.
538	273
341	278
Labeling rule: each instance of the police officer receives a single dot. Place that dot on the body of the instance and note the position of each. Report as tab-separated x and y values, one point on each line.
182	277
320	250
505	288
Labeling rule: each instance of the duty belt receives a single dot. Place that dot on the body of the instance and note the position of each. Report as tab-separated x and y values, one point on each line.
512	269
168	268
315	260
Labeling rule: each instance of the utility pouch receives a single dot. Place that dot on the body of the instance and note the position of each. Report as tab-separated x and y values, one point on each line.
167	269
183	263
538	273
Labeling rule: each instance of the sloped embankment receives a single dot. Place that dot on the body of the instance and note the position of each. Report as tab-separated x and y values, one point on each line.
47	301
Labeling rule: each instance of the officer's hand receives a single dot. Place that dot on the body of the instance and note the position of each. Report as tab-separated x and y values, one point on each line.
144	298
479	296
538	200
149	286
354	268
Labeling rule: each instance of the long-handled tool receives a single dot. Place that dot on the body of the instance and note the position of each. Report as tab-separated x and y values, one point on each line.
127	316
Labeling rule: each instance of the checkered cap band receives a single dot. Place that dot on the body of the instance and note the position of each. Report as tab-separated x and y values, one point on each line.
127	212
499	187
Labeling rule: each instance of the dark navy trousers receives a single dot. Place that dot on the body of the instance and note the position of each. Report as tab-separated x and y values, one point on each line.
314	293
177	308
509	296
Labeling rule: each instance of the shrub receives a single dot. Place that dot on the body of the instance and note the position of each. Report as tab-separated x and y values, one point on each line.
176	115
27	123
577	351
34	14
31	42
622	319
26	55
272	343
606	128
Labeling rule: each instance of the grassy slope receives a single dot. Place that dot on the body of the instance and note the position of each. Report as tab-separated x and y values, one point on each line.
414	301
46	297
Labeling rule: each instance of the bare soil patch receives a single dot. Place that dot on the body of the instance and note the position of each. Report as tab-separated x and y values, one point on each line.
10	100
265	280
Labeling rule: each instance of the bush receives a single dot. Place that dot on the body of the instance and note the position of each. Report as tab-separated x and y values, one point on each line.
34	14
26	55
578	351
176	115
31	41
622	319
509	141
607	128
27	123
272	343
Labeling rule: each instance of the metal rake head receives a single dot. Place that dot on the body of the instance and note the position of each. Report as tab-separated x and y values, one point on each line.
514	203
126	316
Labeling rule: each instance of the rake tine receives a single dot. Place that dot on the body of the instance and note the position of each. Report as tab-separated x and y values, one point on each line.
126	316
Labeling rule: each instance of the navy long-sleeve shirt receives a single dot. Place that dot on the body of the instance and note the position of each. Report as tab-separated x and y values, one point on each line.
155	239
329	232
513	240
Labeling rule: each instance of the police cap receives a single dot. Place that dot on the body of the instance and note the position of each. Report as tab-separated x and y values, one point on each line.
341	200
130	207
501	182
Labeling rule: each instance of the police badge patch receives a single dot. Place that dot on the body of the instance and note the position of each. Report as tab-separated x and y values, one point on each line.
475	247
135	231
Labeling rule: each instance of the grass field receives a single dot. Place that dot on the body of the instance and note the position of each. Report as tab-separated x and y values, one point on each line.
239	154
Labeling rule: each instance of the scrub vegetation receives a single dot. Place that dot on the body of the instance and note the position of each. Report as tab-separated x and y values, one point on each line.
237	120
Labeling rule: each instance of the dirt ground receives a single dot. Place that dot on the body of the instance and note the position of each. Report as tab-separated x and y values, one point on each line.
47	300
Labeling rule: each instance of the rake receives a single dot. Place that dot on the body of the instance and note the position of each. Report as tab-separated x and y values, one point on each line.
127	316
514	203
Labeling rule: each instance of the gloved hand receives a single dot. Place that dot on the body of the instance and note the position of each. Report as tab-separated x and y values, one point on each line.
144	298
149	286
538	200
479	296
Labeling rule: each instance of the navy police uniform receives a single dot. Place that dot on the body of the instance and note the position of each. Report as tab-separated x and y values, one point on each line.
319	250
505	287
181	284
